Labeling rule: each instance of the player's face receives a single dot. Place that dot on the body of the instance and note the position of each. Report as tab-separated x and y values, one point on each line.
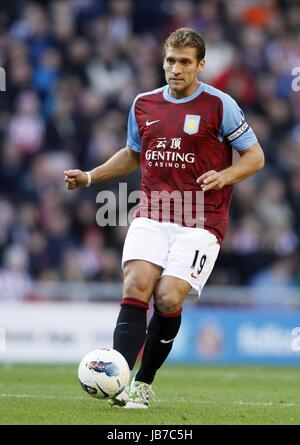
181	68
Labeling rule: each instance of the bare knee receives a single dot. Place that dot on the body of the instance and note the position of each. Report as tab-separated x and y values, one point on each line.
140	279
167	302
170	293
136	287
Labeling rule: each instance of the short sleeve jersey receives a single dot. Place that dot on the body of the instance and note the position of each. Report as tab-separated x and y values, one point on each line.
179	140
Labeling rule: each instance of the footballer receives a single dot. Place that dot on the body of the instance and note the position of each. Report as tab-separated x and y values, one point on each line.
181	136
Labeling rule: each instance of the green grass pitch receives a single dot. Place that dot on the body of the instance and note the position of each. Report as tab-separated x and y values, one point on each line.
51	394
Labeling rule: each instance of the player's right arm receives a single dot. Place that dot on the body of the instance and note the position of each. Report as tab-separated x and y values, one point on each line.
122	163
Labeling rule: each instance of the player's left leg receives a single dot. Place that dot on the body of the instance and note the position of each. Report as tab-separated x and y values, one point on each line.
163	327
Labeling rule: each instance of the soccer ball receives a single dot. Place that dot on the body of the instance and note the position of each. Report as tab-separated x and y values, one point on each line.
103	373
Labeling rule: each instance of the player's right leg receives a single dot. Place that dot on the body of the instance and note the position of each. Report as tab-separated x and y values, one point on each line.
144	252
140	278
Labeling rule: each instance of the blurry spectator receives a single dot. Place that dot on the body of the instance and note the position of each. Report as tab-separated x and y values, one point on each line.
38	255
26	128
70	269
108	73
259	13
219	54
294	199
48	71
279	274
180	14
237	81
281	240
272	207
91	253
253	42
120	23
247	237
78	53
14	279
12	169
105	138
110	267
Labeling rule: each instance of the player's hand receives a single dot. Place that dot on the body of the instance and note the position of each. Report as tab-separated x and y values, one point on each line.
75	178
211	180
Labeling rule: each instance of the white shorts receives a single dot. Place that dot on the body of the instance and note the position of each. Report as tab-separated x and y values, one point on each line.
184	252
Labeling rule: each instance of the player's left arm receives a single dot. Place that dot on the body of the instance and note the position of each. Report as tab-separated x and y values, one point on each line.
251	161
241	137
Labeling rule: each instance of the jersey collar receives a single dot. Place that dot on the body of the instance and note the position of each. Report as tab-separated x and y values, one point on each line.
195	94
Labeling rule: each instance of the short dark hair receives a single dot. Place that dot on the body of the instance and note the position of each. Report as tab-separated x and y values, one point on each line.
186	37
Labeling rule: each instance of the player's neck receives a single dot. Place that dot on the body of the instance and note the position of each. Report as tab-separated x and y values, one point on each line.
185	93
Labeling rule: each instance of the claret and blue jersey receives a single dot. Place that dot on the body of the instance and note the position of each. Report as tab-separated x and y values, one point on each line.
180	139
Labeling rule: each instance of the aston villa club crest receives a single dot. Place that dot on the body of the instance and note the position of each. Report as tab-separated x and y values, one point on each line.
191	123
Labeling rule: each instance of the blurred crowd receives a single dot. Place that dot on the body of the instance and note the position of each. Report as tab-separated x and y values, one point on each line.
73	68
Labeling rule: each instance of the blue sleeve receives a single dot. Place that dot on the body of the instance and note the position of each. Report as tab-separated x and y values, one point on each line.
234	127
133	137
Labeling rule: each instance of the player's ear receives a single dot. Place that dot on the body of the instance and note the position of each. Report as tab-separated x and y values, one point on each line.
201	65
